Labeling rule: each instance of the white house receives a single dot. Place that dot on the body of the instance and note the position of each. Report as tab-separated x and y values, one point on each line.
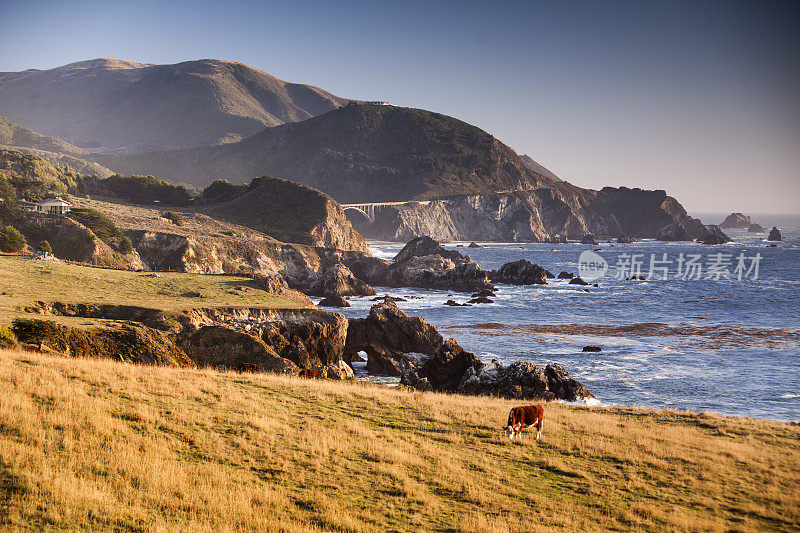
51	206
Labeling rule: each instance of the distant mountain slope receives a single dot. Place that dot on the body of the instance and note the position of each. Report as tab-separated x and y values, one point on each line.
539	169
12	134
54	150
118	105
357	153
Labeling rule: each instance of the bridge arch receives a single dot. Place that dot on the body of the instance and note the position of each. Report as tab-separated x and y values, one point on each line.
368	211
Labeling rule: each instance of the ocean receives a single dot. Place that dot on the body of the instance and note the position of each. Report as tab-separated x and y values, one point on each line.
721	333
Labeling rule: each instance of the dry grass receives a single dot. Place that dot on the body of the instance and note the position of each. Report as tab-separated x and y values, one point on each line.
24	280
94	444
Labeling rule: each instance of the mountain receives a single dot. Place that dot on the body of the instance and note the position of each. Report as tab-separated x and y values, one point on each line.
539	169
54	150
357	153
124	106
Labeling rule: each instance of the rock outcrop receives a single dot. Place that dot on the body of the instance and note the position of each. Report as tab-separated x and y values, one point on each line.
588	239
689	228
73	241
735	221
521	272
774	234
338	280
425	263
222	347
387	335
624	239
756	228
454	370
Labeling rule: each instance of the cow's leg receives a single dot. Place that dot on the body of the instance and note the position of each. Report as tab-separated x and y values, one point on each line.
539	428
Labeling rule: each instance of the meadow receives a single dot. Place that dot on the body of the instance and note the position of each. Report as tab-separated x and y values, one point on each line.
93	444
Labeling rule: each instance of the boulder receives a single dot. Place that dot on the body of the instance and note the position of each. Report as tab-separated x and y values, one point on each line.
453	303
424	263
774	234
557	239
624	239
714	235
480	300
334	300
310	339
484	292
577	281
386	334
339	280
522	380
474	245
736	221
588	239
756	228
521	272
673	232
565	275
591	349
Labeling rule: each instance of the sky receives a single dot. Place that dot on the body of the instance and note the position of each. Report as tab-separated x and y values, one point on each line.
700	98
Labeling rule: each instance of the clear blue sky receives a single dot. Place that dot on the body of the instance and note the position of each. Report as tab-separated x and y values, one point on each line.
701	98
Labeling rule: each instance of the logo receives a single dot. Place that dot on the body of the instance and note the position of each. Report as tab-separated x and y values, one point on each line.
591	266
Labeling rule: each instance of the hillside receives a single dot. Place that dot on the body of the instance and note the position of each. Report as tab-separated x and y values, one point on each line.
147	447
357	153
118	105
54	150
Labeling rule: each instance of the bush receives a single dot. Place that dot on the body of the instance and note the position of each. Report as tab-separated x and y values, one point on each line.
101	225
174	217
125	245
44	247
7	338
11	240
33	329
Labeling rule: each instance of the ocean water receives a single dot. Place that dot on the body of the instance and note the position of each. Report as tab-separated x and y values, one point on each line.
724	345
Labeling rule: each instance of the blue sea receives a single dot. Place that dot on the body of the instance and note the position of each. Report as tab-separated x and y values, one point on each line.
718	343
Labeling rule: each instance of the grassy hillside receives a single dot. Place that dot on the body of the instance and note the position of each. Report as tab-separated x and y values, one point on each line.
94	444
16	135
356	153
111	104
24	281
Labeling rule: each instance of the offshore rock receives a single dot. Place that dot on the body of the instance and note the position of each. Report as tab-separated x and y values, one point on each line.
521	272
735	221
774	234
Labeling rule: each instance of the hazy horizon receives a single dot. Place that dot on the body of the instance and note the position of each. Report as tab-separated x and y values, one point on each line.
697	99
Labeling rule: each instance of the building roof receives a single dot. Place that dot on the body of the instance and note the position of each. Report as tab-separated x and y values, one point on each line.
53	201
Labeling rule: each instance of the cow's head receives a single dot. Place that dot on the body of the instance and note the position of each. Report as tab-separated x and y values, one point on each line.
510	432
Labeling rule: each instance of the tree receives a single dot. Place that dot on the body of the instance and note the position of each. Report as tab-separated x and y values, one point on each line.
11	240
44	247
125	245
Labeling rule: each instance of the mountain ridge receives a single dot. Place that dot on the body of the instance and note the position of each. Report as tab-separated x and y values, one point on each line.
119	105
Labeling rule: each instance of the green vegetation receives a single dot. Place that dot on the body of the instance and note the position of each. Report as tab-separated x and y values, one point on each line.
7	338
32	329
25	281
223	191
136	189
173	217
44	247
125	245
167	449
11	240
102	226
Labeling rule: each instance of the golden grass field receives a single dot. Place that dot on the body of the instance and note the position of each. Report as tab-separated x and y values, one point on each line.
89	444
24	280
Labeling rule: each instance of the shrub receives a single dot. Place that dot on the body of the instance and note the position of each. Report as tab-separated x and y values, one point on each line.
33	329
11	240
44	247
101	225
125	245
7	338
174	217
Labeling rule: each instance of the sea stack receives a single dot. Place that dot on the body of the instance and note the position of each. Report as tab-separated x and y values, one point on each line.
774	234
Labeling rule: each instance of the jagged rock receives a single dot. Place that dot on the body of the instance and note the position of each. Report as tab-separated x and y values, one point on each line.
424	263
592	349
474	245
522	380
565	275
756	228
577	281
714	235
386	334
673	232
389	298
339	280
774	234
222	347
480	300
635	278
557	239
736	221
453	303
588	239
484	292
521	272
334	300
624	239
338	370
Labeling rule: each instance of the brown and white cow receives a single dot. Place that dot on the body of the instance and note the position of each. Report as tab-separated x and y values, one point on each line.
525	416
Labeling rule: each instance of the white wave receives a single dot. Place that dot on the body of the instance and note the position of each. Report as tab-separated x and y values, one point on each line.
790	396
